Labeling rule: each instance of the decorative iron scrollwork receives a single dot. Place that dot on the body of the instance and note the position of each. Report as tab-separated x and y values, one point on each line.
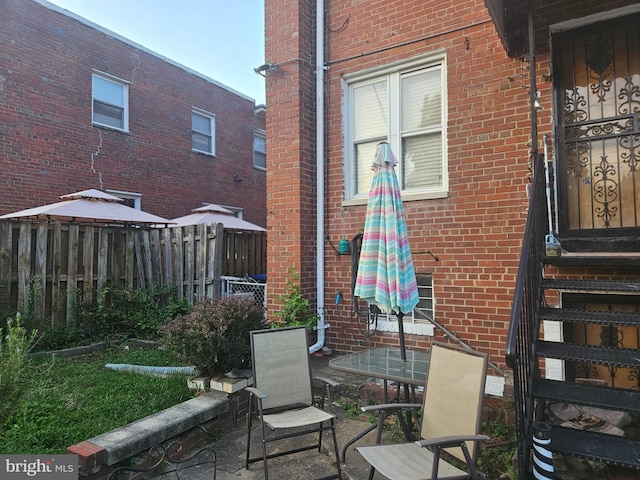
574	105
600	63
630	154
630	94
605	191
577	159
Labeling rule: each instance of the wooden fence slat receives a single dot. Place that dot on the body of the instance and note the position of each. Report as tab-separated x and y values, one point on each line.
146	258
24	263
41	269
178	260
6	246
215	242
119	257
103	258
56	287
189	259
166	255
201	260
154	238
72	271
130	259
137	241
87	264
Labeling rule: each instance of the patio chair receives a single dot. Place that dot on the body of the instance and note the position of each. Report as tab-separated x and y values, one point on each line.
282	396
451	420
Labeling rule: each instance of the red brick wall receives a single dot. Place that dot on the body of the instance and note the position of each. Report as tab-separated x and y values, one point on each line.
476	232
49	148
291	157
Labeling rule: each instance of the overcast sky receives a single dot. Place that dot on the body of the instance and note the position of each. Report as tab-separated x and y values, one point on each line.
222	39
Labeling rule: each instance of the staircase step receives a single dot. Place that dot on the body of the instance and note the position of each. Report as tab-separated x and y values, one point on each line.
596	446
601	397
591	285
592	317
618	357
595	259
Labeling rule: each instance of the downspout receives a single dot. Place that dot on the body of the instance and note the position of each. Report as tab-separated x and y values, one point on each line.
321	326
533	87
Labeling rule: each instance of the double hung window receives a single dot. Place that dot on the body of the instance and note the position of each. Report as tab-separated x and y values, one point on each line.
404	105
110	102
203	127
260	150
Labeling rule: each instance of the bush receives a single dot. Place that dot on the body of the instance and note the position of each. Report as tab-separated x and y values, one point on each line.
135	313
15	344
295	307
214	336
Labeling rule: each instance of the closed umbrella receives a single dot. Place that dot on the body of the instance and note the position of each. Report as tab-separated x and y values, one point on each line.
386	276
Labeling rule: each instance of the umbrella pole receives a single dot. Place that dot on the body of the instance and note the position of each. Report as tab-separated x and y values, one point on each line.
405	423
403	350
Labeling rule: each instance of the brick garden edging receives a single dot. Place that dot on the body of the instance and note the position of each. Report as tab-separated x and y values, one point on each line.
97	459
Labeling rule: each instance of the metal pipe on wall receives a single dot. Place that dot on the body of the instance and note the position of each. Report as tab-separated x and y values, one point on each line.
321	326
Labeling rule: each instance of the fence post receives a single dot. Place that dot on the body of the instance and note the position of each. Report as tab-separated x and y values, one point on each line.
542	456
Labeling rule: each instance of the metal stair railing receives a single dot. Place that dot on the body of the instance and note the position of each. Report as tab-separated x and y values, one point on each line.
524	324
449	334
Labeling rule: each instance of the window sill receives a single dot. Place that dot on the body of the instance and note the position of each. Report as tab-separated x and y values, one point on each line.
424	329
406	197
206	154
111	128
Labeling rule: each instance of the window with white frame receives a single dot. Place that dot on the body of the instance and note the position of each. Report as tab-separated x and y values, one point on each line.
110	106
403	104
260	149
203	128
129	199
419	321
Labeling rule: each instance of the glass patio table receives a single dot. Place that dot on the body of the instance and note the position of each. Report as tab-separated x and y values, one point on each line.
385	363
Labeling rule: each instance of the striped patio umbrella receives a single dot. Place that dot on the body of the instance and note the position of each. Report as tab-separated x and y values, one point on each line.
386	277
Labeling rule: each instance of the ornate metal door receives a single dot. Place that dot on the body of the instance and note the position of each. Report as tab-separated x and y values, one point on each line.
597	86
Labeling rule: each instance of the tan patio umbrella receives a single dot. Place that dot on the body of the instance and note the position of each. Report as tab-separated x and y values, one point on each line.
212	213
90	206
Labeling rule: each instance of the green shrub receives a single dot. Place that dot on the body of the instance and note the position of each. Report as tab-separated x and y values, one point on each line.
56	338
295	307
214	336
134	313
15	344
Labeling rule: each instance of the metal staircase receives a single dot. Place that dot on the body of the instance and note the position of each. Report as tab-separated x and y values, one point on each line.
526	350
599	447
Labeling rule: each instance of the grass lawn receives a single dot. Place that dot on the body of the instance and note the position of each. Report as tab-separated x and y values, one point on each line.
74	399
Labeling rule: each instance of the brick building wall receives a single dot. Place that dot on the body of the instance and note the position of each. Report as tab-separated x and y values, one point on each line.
48	146
291	157
476	230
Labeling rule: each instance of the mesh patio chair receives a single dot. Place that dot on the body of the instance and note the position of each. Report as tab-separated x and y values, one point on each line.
282	396
451	420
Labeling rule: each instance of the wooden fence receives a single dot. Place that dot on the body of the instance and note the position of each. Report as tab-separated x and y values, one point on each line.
51	267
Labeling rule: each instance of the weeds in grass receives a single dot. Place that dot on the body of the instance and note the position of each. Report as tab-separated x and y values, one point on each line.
119	314
495	460
351	408
78	399
15	345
